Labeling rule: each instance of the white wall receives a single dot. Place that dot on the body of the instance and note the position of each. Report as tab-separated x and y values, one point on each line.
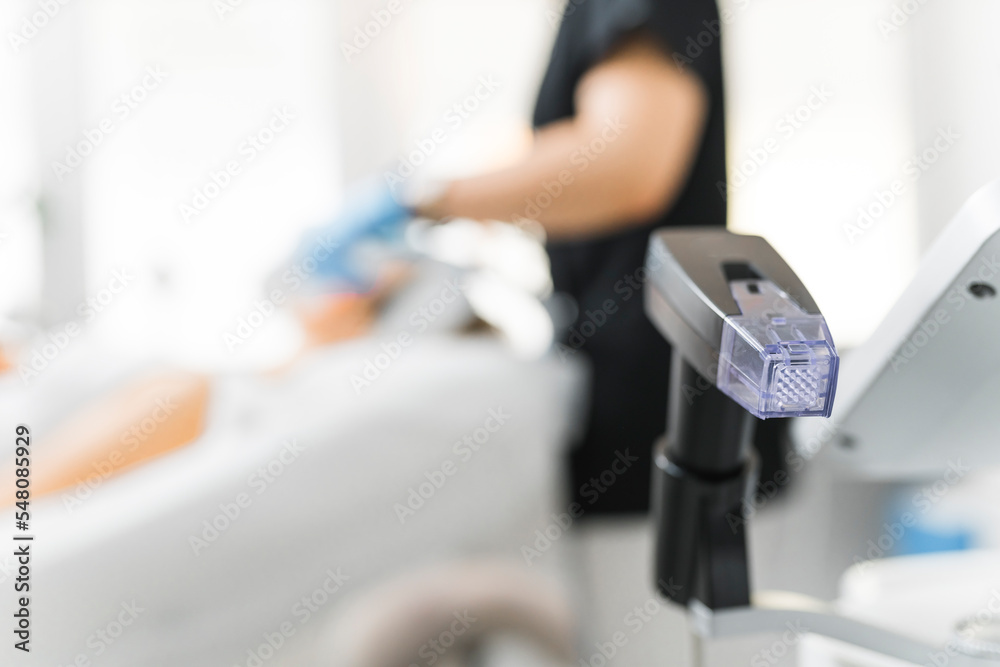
956	82
806	195
431	54
900	72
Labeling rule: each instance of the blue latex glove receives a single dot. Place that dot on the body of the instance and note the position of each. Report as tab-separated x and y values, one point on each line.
371	213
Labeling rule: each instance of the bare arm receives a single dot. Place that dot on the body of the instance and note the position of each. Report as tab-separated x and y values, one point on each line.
622	158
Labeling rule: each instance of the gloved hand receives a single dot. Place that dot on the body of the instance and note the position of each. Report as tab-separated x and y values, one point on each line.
329	253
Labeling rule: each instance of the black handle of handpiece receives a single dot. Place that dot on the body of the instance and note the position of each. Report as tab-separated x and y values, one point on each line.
702	469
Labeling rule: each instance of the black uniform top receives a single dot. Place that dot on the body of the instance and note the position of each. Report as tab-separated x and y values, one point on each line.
610	468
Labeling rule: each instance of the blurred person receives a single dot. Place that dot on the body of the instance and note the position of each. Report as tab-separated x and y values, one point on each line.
630	126
109	434
629	137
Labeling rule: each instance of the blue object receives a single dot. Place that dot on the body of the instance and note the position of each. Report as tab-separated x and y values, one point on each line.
925	540
910	528
330	252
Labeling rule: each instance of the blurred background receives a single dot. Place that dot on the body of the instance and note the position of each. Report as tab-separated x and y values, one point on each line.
162	159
